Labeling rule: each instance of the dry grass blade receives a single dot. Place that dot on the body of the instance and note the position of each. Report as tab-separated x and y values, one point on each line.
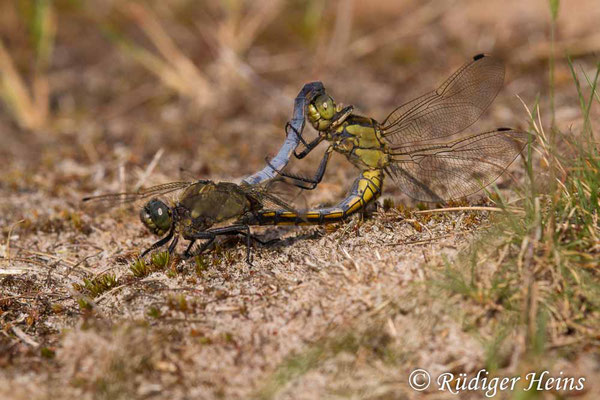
341	31
239	30
448	209
171	66
24	337
30	109
149	169
405	26
8	235
15	93
543	50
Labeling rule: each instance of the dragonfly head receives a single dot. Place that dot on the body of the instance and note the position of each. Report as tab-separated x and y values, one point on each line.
157	217
323	113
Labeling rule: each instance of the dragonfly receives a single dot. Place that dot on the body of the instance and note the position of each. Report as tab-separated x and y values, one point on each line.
204	210
420	145
201	210
205	205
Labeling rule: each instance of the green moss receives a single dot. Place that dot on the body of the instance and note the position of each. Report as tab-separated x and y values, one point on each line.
98	285
200	265
140	269
160	260
47	352
84	304
154	312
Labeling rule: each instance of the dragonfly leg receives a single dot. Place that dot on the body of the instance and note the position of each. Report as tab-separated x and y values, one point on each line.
206	244
211	235
288	125
310	183
173	244
296	124
264	242
308	147
307	94
187	253
160	243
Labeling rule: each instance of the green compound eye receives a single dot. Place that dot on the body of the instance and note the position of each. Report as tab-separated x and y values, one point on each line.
156	216
325	106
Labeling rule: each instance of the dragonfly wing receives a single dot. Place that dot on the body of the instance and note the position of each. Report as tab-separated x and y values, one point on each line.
113	199
451	108
441	172
269	200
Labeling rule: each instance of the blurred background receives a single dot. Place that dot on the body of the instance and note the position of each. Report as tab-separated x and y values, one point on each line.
105	95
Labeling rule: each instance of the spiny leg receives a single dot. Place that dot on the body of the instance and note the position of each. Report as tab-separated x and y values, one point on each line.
307	94
264	242
160	243
288	126
173	244
211	234
308	147
310	183
245	230
206	245
296	124
187	252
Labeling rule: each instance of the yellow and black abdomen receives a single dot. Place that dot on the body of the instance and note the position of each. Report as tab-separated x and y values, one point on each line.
365	189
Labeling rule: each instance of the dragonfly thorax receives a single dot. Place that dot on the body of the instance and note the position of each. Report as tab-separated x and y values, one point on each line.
214	203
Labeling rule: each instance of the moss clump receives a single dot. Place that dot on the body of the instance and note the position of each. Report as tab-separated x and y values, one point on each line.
98	285
160	260
140	269
200	265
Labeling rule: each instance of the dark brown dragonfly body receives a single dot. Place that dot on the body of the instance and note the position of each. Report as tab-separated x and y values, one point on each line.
202	211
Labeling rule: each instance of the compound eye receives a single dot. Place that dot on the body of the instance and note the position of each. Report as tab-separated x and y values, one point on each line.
156	216
325	106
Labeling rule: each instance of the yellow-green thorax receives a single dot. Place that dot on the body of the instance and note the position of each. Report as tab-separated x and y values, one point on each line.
360	140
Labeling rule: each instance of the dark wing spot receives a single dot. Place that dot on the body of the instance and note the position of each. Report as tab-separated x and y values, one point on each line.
478	57
503	129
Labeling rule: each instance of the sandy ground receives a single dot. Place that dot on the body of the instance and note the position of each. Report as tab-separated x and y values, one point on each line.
327	312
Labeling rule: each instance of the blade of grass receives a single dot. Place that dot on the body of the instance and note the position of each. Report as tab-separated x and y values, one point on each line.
14	92
44	33
554	5
587	122
30	109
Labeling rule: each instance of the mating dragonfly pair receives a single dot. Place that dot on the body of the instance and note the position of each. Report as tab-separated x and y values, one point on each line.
420	145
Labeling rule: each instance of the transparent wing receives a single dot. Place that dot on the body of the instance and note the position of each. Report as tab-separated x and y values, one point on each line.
441	172
113	199
451	108
267	199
